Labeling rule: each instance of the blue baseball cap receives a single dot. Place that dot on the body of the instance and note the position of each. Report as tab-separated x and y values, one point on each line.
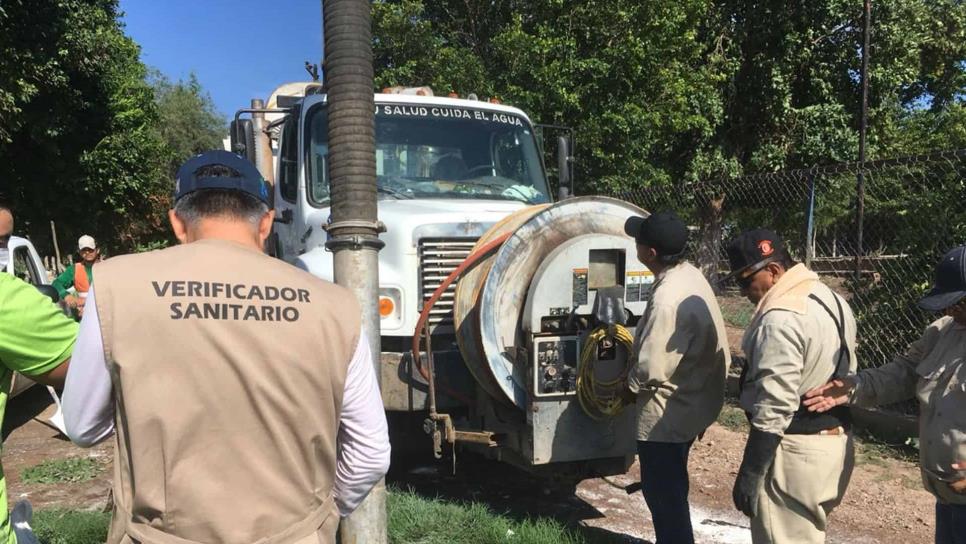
950	282
248	179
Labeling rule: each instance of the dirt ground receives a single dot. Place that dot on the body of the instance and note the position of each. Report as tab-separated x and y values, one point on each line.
31	441
884	504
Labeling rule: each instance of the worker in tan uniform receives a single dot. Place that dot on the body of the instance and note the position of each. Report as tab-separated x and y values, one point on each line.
678	383
933	369
241	388
796	464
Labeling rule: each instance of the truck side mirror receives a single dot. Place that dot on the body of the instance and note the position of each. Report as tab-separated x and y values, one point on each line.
565	187
242	134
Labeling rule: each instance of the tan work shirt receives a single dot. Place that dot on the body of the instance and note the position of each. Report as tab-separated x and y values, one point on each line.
229	370
682	358
792	345
933	369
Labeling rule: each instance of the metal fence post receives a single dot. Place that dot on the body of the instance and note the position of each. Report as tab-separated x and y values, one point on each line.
860	182
810	225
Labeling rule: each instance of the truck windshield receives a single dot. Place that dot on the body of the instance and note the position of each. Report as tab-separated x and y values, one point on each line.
426	151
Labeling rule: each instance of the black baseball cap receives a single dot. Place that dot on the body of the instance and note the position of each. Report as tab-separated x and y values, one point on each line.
663	231
950	282
752	250
248	180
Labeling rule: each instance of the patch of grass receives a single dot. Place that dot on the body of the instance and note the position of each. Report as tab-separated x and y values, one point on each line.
71	526
413	519
416	519
73	469
733	418
737	314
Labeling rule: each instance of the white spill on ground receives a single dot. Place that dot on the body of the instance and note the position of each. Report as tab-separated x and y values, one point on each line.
628	515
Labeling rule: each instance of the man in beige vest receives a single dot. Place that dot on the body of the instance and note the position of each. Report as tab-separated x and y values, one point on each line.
679	381
796	464
241	388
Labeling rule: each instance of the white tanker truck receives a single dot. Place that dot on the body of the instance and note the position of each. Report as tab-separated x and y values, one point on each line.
522	351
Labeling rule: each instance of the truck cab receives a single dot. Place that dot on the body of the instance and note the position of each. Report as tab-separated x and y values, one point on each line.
446	171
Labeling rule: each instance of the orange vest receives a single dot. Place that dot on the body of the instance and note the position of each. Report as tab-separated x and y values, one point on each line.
82	283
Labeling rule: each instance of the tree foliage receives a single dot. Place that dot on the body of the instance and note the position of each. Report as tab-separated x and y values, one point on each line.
189	122
664	92
85	139
79	143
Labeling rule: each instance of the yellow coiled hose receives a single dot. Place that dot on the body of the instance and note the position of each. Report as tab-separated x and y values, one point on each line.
601	399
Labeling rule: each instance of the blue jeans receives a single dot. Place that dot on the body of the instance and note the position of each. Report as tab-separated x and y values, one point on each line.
664	482
950	523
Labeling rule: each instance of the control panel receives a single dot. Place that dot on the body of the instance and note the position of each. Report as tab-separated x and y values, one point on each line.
565	287
555	360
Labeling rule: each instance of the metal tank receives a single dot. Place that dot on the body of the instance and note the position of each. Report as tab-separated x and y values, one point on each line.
531	329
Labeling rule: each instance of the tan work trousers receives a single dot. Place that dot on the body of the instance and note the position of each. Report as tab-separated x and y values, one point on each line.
806	481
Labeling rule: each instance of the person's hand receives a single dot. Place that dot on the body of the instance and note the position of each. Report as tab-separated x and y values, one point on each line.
759	455
825	397
959	486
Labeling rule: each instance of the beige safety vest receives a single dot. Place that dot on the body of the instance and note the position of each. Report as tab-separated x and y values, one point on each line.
228	370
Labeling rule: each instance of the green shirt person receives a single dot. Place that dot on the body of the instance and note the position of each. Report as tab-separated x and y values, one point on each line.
79	276
36	339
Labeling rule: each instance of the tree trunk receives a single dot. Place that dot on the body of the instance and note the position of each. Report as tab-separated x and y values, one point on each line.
708	254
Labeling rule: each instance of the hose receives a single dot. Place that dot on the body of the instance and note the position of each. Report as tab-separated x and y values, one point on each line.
424	315
601	399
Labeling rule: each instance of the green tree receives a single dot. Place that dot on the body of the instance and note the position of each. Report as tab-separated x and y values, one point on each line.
189	121
665	92
632	77
88	137
78	142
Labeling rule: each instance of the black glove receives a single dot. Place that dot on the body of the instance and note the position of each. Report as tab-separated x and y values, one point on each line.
759	455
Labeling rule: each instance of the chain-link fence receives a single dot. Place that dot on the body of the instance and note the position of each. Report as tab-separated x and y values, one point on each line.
877	249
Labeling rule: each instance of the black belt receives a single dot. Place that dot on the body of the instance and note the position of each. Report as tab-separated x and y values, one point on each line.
805	422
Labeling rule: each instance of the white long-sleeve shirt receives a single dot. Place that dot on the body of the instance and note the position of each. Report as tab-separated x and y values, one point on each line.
363	441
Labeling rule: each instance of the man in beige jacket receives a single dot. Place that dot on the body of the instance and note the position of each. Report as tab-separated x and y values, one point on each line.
241	388
679	380
933	369
796	464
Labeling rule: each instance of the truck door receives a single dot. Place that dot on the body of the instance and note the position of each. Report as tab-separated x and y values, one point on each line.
287	190
26	265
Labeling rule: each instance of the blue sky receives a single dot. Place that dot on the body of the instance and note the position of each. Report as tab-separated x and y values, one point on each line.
239	49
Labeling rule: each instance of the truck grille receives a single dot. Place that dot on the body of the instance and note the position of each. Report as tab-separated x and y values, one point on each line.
437	258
